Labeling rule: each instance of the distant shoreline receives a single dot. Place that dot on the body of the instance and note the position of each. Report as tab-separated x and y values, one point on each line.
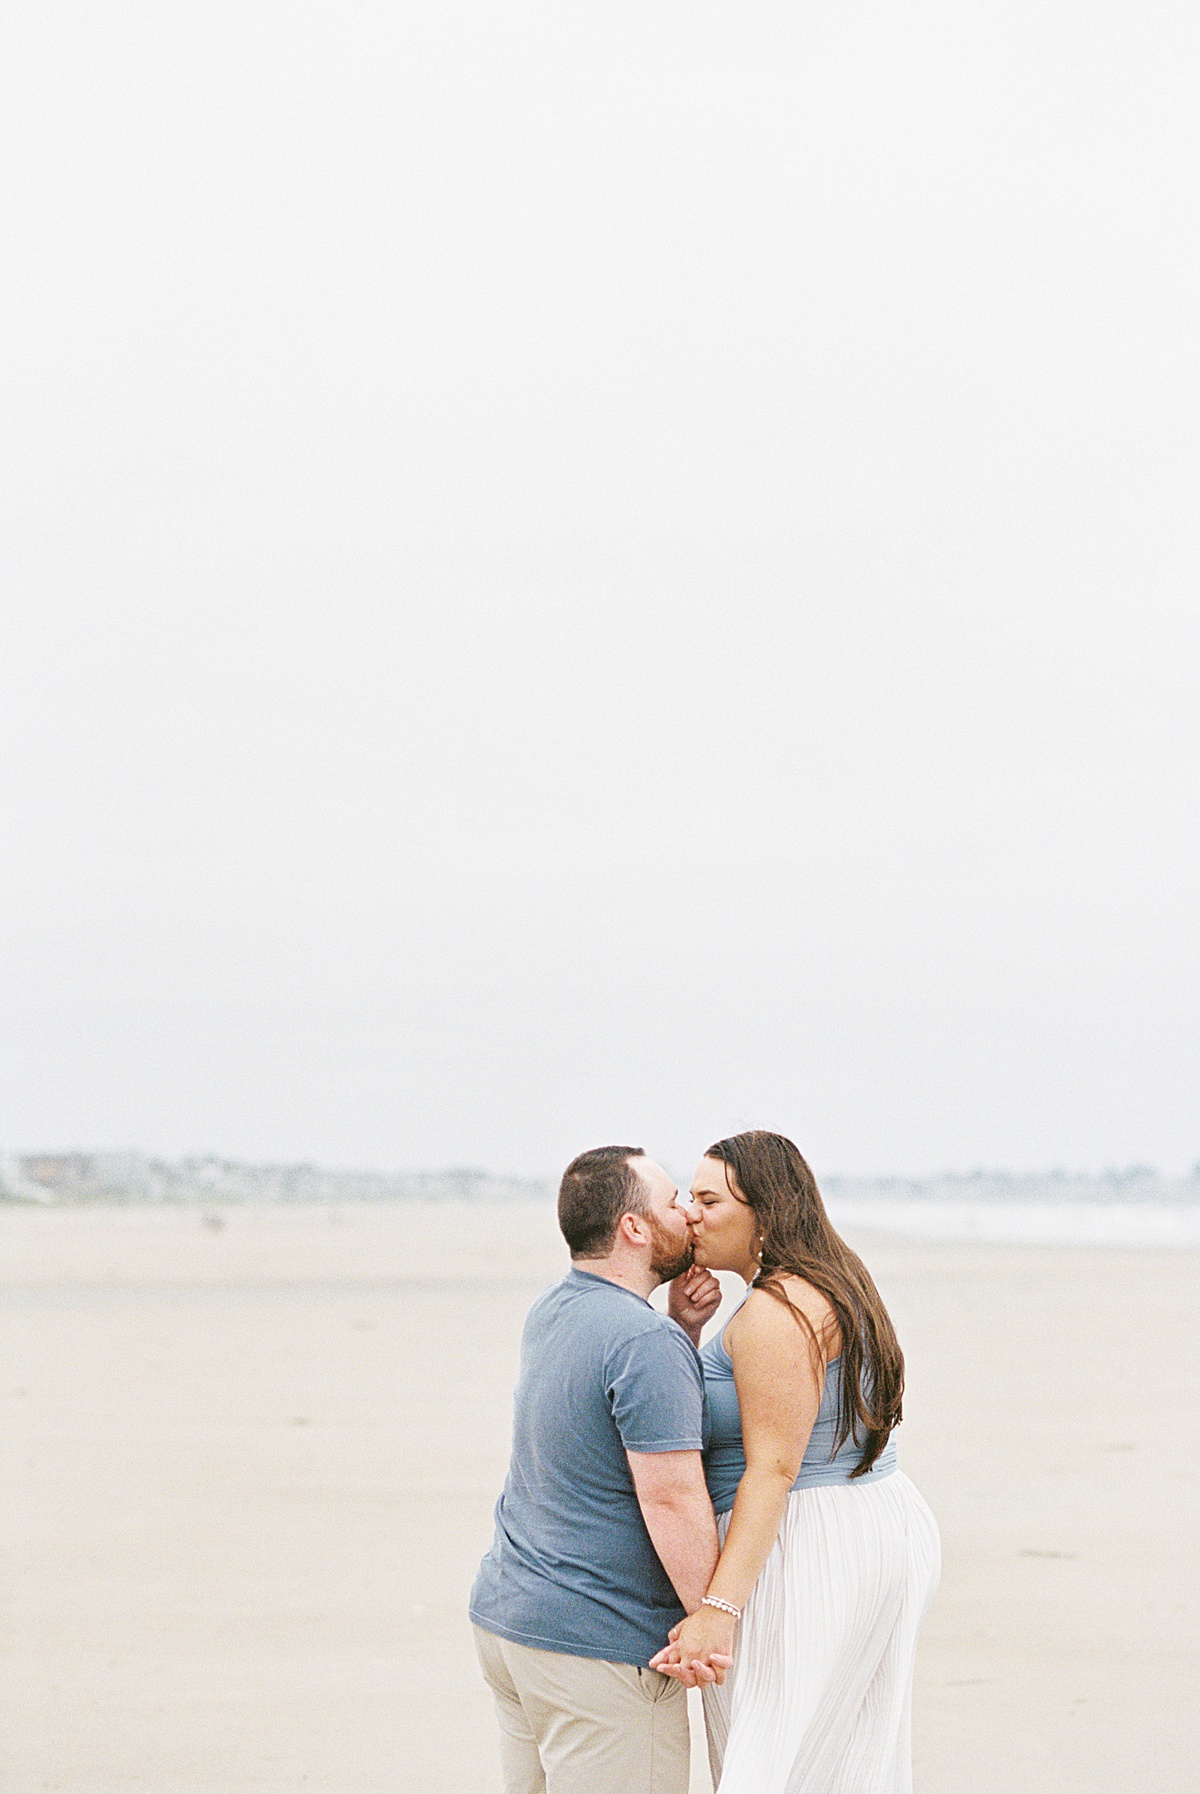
1136	1207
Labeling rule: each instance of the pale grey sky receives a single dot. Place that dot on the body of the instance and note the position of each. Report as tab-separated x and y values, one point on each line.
584	573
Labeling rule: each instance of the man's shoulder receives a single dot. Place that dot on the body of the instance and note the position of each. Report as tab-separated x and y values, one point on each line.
655	1342
590	1290
651	1321
608	1313
626	1314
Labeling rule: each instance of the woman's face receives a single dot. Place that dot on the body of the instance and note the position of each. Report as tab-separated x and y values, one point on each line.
723	1225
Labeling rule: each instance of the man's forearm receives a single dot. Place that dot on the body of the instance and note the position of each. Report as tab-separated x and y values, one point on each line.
684	1534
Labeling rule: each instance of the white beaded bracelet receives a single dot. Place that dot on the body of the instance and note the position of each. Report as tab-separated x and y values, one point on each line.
725	1606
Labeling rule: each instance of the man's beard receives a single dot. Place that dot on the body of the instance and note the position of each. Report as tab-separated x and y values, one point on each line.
668	1259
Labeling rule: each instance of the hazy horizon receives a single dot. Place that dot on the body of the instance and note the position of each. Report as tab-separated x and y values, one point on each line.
1113	1175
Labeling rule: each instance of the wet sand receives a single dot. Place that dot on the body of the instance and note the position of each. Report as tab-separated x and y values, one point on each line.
247	1470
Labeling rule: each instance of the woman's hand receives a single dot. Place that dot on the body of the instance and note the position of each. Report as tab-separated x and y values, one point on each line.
701	1648
693	1299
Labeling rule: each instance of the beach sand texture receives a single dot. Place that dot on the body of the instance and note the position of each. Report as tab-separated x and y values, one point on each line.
248	1470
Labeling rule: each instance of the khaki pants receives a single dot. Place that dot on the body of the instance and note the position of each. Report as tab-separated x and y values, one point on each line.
575	1725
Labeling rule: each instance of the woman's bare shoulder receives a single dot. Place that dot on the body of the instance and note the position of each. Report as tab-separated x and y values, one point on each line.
763	1316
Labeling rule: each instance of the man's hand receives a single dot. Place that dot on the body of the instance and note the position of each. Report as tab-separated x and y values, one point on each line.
693	1299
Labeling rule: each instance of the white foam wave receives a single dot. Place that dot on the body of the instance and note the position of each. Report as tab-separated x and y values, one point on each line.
991	1222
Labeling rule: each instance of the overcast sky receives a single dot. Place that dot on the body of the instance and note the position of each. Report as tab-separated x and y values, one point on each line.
578	573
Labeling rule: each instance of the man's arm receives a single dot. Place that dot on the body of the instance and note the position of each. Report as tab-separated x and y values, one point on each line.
679	1518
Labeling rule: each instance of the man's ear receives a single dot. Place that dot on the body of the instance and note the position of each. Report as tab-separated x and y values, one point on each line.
633	1229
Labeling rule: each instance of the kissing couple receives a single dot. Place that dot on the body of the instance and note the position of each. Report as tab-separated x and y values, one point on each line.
727	1516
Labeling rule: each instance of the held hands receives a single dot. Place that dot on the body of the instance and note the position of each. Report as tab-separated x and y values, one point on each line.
701	1648
693	1299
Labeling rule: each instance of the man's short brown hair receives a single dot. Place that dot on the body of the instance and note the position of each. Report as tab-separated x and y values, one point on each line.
597	1189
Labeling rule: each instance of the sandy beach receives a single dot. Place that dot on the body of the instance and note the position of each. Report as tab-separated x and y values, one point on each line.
249	1459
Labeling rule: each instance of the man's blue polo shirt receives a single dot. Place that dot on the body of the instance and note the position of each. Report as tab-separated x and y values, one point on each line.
572	1568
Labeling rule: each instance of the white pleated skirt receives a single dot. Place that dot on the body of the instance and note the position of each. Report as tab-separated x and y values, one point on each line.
819	1700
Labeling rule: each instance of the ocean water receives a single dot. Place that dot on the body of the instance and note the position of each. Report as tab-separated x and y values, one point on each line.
1024	1223
1138	1207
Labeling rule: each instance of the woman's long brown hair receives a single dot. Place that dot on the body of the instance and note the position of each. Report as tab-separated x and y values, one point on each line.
799	1240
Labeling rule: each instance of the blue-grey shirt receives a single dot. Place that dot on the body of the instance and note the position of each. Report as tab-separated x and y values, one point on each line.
572	1568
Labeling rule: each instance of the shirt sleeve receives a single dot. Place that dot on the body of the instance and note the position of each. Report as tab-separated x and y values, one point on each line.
655	1387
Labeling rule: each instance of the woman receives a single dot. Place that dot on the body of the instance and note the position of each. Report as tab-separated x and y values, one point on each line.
829	1555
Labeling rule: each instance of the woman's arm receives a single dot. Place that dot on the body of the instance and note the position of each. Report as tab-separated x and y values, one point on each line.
779	1393
692	1300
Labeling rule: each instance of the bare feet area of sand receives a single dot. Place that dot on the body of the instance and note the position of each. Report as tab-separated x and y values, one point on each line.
249	1458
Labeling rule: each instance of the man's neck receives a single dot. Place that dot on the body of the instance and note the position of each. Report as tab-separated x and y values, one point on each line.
632	1274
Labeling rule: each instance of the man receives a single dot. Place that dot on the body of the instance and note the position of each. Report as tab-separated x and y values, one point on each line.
604	1532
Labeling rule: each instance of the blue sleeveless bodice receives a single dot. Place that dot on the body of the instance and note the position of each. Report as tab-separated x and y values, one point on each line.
725	1458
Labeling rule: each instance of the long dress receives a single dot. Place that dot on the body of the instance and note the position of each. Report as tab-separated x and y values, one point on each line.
819	1700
